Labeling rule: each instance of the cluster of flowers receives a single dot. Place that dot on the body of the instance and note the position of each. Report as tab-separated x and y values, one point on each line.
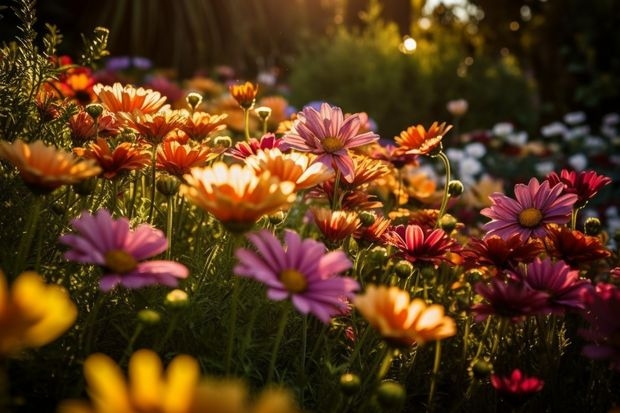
322	173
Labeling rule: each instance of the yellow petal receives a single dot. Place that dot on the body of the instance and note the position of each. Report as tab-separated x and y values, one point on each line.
146	380
182	378
106	385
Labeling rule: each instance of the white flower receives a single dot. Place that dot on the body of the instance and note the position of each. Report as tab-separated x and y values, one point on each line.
476	149
517	139
544	168
469	167
457	107
553	129
574	118
454	154
578	161
577	132
503	129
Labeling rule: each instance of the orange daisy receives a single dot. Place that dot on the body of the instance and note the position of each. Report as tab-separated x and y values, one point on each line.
154	127
83	126
77	84
244	94
236	195
419	141
336	225
45	168
114	161
403	322
366	170
294	167
119	98
177	159
199	125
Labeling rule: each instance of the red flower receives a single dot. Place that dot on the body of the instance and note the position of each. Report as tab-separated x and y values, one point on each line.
501	253
574	247
517	387
418	245
584	183
510	299
242	150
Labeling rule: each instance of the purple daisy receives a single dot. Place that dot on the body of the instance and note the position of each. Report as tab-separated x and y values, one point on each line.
302	271
109	243
535	206
329	134
508	299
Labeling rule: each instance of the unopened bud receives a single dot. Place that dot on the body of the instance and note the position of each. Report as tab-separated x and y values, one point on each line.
193	99
277	218
168	185
377	256
592	226
455	188
350	383
367	218
176	298
448	223
149	317
223	141
403	269
263	112
94	110
481	369
391	394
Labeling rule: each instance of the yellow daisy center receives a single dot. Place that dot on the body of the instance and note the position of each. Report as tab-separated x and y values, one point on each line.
120	261
530	217
294	281
331	144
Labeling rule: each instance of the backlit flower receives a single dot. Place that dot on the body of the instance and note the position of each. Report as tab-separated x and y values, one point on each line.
517	387
294	167
199	125
329	134
178	159
373	233
535	206
501	253
394	155
366	170
77	84
585	184
83	127
32	313
574	247
299	269
336	225
119	98
243	149
154	127
417	245
510	299
244	94
403	322
417	140
121	252
45	168
235	195
116	160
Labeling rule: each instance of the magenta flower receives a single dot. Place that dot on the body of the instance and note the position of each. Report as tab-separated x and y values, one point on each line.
509	299
517	387
121	252
244	149
603	333
535	206
585	184
329	134
563	285
300	270
418	245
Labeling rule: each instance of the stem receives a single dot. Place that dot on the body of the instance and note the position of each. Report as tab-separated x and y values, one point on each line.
154	165
386	363
232	323
169	218
466	338
335	203
131	342
276	345
27	235
573	218
246	123
113	199
446	194
436	363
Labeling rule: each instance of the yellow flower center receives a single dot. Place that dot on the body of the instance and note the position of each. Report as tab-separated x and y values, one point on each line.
120	261
331	144
530	217
293	281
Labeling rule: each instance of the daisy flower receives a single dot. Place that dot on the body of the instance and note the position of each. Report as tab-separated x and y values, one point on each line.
301	270
113	161
416	140
119	98
585	184
418	245
121	252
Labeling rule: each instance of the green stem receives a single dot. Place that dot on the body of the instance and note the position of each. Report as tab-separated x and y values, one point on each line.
276	344
436	364
232	323
386	363
30	227
573	218
246	123
131	343
335	200
153	177
113	196
169	218
446	194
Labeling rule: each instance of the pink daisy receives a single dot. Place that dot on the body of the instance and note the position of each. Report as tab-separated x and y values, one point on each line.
121	252
329	134
535	206
244	149
418	245
300	270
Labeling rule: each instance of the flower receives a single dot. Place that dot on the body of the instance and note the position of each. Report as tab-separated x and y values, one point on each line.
402	322
199	125
178	159
394	155
418	245
83	127
419	141
121	252
457	107
243	149
32	313
510	299
300	270
585	184
478	195
244	94
535	206
45	168
603	332
574	247
154	127
114	161
329	134
119	98
563	286
336	225
235	194
76	84
517	387
501	253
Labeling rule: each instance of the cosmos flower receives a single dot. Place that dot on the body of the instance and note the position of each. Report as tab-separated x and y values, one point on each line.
574	247
585	184
501	253
417	140
32	313
45	168
510	299
119	98
403	322
417	245
114	161
299	269
236	195
178	159
121	252
535	206
329	134
244	94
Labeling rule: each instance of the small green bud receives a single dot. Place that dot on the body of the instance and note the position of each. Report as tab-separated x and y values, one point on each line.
263	112
592	226
448	223
367	218
168	185
223	141
481	369
455	188
403	269
149	317
94	110
177	298
350	383
391	394
193	100
377	256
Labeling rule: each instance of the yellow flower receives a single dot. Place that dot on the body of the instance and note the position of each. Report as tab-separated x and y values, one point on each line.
119	98
236	195
32	314
401	321
244	94
45	168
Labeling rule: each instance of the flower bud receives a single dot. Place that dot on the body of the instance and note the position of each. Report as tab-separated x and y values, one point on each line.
366	218
481	369
403	269
447	223
592	226
149	317
350	384
193	100
377	256
263	112
94	110
176	299
223	141
277	218
455	188
391	394
168	185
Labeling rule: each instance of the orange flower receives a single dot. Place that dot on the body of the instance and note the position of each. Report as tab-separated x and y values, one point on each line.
244	94
178	159
402	322
294	167
154	127
417	140
113	161
45	168
373	233
366	170
119	98
33	313
235	195
83	127
199	125
336	225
